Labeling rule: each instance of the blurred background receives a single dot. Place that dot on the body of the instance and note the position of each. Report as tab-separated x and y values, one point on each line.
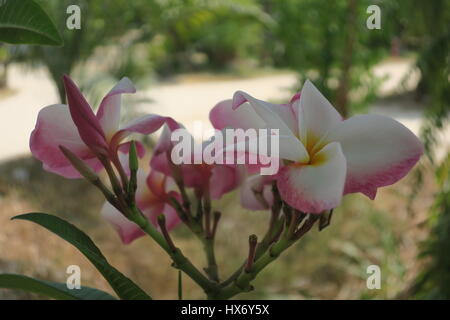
186	55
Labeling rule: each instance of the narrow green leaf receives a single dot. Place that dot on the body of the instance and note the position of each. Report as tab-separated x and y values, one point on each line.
25	22
123	286
51	289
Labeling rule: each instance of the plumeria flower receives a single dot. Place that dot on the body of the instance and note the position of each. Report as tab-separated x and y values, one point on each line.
87	135
325	156
213	179
152	198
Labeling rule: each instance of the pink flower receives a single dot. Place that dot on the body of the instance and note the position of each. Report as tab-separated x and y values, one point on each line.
84	133
326	156
152	198
216	179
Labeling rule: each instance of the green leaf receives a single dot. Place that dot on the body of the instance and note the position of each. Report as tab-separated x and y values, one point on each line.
25	22
51	289
123	286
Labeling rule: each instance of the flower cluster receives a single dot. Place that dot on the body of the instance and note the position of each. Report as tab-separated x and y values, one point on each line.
321	158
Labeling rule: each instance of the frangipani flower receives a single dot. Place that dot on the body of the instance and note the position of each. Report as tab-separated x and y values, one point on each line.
152	198
214	179
326	156
84	133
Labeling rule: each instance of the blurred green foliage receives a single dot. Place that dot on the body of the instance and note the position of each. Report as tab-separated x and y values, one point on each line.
426	27
434	280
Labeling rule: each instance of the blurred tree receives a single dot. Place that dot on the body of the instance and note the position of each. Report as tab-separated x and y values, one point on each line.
434	281
328	41
101	23
221	30
425	25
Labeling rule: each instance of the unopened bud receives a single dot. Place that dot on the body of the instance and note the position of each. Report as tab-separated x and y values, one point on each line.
79	165
133	157
252	242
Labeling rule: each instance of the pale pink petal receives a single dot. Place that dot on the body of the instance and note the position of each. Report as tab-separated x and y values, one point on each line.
287	147
316	115
223	180
290	148
127	230
295	97
159	160
274	115
315	187
109	111
156	183
172	218
144	125
84	118
256	193
284	121
378	149
196	176
144	197
223	116
153	212
54	127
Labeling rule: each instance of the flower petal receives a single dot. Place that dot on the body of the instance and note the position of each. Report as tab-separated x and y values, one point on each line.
378	149
318	186
223	116
127	230
54	127
159	160
144	196
172	218
143	125
109	111
156	183
316	115
224	179
281	146
256	193
275	116
84	118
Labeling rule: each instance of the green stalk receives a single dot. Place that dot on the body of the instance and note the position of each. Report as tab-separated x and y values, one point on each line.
212	269
180	261
243	279
242	283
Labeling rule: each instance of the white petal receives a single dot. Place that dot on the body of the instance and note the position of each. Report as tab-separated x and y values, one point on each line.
109	110
378	149
318	186
316	115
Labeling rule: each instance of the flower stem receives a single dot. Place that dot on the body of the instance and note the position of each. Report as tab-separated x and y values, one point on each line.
242	280
242	283
180	261
212	269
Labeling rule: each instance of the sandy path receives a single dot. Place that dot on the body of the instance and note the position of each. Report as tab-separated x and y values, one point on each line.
187	102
